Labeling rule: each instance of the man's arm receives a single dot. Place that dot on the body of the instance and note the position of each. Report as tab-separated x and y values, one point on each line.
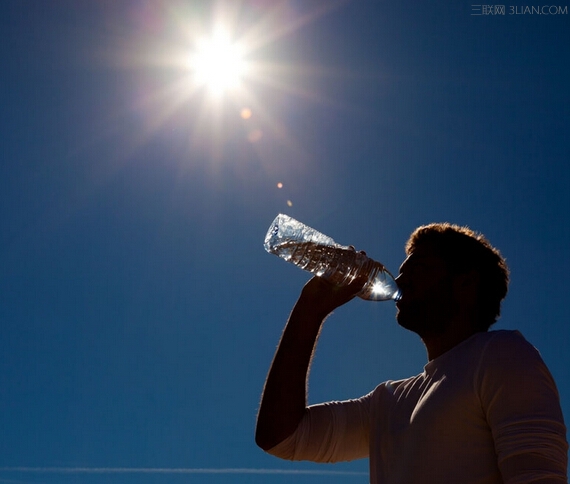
284	396
522	408
529	465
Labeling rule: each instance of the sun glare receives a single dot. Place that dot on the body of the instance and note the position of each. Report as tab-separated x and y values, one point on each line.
218	63
198	70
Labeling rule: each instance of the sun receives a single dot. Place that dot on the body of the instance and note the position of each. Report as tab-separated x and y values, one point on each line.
204	73
218	63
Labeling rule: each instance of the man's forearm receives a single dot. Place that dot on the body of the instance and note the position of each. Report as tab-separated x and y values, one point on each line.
284	396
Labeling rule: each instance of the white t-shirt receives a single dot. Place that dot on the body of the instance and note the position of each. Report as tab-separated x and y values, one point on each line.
489	398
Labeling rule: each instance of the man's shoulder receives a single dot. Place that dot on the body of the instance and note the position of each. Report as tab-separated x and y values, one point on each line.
485	349
395	387
506	338
501	334
501	338
509	349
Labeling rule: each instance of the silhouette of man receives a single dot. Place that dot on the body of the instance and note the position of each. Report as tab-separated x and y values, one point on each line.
485	410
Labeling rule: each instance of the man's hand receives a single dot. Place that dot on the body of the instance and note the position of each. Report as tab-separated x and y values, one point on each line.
320	297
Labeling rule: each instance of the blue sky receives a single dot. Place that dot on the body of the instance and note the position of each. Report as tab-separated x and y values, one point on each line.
139	312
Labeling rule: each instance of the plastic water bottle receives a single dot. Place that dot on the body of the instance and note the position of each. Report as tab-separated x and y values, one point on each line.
317	253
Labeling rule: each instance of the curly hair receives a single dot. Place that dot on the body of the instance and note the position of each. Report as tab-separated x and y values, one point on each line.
464	250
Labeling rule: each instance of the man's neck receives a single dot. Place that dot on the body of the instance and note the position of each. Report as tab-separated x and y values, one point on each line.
437	345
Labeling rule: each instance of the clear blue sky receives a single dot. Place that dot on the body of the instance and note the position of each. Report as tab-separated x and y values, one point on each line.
138	310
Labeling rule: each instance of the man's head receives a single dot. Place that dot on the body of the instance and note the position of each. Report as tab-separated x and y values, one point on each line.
448	268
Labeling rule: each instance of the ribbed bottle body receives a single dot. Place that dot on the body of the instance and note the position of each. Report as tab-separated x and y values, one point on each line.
321	255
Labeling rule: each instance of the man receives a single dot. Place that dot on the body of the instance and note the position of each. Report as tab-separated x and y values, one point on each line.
485	410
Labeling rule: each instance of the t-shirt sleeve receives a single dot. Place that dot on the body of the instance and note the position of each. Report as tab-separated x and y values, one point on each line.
522	407
330	432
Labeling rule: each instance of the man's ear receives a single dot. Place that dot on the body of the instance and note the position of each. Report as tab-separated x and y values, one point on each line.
466	286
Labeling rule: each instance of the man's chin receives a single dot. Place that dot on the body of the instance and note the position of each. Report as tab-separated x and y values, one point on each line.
406	321
419	325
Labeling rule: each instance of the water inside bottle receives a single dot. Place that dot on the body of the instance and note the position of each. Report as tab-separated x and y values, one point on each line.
321	255
340	265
